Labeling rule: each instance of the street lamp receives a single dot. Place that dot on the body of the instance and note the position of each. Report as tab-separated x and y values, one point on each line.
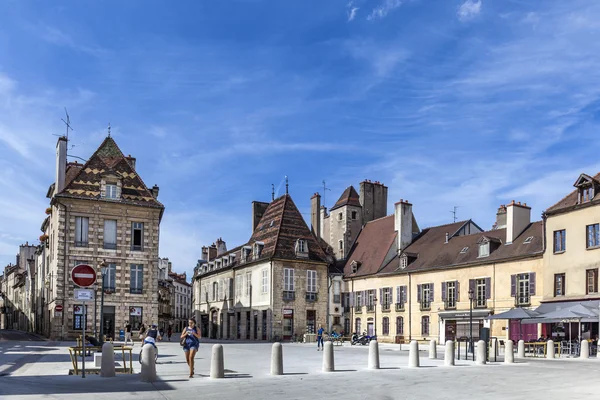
471	298
375	306
95	308
103	270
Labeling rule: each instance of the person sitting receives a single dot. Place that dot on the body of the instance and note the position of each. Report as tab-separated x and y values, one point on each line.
93	341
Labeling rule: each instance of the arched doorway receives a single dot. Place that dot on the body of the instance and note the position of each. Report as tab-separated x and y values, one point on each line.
214	315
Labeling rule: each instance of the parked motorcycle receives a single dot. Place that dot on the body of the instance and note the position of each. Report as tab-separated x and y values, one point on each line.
356	338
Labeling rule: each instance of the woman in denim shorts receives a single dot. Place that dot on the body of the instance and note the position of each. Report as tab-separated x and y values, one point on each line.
190	338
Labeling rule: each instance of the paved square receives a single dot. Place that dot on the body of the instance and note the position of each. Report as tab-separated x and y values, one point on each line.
39	369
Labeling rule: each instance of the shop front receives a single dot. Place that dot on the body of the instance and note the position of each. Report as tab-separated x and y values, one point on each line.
457	324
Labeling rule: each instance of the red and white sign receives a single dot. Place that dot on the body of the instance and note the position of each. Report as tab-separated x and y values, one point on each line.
83	275
58	308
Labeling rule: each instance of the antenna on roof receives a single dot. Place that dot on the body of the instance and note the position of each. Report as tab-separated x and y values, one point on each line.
286	185
325	189
454	212
109	129
272	191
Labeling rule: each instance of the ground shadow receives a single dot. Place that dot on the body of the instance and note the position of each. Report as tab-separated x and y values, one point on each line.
344	370
295	373
238	376
389	368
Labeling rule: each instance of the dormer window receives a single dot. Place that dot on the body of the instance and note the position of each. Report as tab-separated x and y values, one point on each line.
484	249
301	248
464	250
354	265
218	264
403	261
258	247
231	258
246	252
111	190
528	240
587	194
225	261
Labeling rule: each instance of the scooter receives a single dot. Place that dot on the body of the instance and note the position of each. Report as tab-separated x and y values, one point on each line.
356	339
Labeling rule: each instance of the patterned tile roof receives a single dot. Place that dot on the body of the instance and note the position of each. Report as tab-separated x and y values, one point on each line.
84	181
349	198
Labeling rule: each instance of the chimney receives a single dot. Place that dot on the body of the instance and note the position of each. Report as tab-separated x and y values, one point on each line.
518	217
155	191
315	214
367	200
204	253
131	161
170	266
258	209
323	215
61	164
403	223
221	247
447	237
212	252
501	217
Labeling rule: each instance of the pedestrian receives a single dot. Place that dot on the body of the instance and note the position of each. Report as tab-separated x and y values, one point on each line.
142	332
190	338
320	337
128	333
169	332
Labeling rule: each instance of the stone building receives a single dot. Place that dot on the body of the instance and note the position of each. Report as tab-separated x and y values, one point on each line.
101	213
403	283
16	291
166	294
572	257
181	301
274	287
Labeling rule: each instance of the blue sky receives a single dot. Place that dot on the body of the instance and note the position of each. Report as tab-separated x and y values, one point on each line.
448	102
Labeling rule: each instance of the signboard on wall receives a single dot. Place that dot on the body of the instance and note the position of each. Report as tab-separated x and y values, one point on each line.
135	311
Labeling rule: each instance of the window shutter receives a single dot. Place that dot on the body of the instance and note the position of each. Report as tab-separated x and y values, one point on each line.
444	294
431	296
404	293
532	283
457	285
364	297
418	293
381	296
472	287
398	295
513	285
351	299
488	288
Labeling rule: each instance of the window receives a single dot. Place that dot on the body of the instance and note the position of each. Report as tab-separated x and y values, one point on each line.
302	246
248	283
354	214
340	216
450	294
593	235
110	234
559	285
136	284
81	231
359	302
215	291
311	281
386	298
425	325
137	235
426	296
265	280
528	240
110	278
385	325
371	300
587	194
238	285
399	326
288	280
480	293
523	289
258	247
341	245
111	191
464	250
403	261
591	281
337	292
560	241
484	249
357	326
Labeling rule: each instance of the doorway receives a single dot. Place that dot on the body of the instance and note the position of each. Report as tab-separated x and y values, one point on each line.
288	324
311	316
109	322
264	325
214	325
450	330
255	325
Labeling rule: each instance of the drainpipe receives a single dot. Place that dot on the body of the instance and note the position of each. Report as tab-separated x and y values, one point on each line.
329	283
65	270
272	303
409	308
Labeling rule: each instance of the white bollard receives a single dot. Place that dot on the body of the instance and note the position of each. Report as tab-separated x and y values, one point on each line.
550	349
585	350
433	349
521	349
148	363
413	354
328	362
449	356
277	359
373	355
481	357
107	367
494	350
509	355
217	366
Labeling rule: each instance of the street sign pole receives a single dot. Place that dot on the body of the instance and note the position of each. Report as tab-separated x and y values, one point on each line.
83	342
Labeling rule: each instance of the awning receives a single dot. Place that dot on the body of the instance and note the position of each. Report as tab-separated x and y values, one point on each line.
567	311
516	313
463	314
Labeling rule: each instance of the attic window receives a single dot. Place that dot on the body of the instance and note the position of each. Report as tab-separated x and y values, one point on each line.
246	251
354	265
464	250
484	249
218	264
224	261
403	261
272	222
111	191
258	247
301	248
528	240
587	194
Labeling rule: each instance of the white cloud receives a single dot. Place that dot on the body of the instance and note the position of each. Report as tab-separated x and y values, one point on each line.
469	10
384	9
383	58
352	13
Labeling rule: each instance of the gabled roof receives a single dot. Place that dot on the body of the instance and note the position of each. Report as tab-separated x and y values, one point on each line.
83	182
348	198
571	200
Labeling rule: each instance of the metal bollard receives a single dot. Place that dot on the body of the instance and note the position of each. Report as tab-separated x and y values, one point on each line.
373	355
217	366
148	363
277	359
107	368
449	355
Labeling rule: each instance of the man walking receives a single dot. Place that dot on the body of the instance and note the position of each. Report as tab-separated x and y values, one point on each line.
320	337
128	333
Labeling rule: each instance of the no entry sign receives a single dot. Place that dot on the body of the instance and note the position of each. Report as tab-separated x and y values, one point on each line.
83	275
58	308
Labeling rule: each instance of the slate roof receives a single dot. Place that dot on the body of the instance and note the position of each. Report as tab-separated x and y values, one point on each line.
349	198
570	200
83	182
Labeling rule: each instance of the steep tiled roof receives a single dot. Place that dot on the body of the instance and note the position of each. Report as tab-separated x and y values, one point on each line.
348	198
371	246
570	200
432	252
84	182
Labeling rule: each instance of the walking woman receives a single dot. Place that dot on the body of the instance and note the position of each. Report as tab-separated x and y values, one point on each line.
191	335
